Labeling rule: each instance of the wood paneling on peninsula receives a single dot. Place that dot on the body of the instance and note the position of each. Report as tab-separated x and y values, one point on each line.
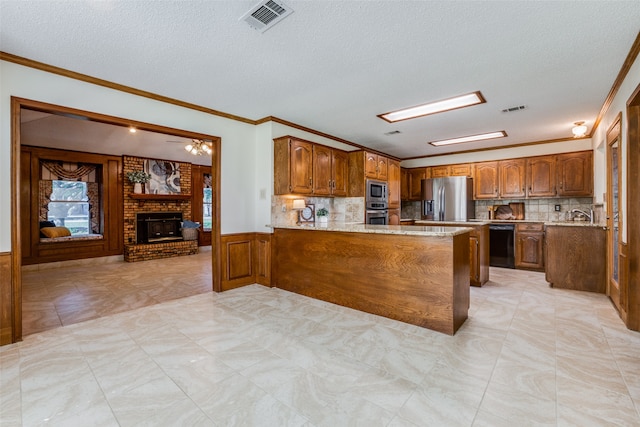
414	279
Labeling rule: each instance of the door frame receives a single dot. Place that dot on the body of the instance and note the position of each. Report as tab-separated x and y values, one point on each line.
614	134
15	283
632	266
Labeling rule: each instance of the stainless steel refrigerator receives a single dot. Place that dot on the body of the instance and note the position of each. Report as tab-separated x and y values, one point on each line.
448	199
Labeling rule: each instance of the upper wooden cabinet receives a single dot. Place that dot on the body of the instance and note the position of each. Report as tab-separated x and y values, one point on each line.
575	174
541	176
416	175
440	171
376	166
330	171
394	184
512	178
302	167
404	184
485	185
443	171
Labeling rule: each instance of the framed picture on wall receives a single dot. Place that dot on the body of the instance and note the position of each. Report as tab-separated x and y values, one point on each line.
165	177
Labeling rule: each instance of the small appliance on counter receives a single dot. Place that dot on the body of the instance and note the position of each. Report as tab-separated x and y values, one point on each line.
448	199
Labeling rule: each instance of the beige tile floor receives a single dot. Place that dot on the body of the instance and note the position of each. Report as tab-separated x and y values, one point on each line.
256	356
85	290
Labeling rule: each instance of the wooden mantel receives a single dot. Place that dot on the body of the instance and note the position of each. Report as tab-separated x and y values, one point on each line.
177	198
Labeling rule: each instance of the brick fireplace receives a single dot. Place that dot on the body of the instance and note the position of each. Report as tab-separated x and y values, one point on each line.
163	208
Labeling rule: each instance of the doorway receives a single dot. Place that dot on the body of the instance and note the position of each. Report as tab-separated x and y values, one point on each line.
17	106
614	218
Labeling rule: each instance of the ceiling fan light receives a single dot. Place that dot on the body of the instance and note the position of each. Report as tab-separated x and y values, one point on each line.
579	130
188	147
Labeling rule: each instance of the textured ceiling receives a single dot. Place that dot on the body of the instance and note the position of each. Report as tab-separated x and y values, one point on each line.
334	65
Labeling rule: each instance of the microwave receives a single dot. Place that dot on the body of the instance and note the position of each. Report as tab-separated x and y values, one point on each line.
376	192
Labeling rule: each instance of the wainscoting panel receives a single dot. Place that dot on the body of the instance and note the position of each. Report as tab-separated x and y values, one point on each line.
5	298
246	259
263	259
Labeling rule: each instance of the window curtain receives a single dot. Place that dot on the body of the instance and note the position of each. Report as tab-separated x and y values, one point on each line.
65	171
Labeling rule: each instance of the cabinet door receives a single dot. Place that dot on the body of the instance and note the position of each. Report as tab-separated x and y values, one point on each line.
474	261
383	166
322	162
541	176
340	172
394	216
512	178
529	250
394	184
460	170
440	171
415	178
370	165
404	184
486	180
575	174
301	158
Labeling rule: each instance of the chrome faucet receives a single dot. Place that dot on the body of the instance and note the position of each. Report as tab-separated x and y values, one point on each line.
588	215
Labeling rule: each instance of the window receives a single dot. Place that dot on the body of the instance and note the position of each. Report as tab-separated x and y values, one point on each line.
69	206
206	209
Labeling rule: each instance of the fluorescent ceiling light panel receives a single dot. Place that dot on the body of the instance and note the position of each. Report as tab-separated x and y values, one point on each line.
470	138
434	107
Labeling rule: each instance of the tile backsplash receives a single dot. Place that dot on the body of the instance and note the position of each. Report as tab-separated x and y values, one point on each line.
534	209
341	209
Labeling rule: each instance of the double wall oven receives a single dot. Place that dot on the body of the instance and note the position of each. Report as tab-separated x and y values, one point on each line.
376	209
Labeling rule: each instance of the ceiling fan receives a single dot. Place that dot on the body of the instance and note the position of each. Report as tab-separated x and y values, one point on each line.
197	147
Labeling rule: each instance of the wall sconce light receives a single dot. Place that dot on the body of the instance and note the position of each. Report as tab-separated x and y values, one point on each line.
579	130
298	205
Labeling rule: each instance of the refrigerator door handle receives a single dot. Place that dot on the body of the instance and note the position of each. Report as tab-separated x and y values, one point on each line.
442	200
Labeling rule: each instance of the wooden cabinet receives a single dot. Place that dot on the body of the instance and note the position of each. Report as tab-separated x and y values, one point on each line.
394	216
376	166
576	257
541	176
529	250
363	166
464	169
404	184
512	178
575	174
393	184
416	176
479	255
485	185
302	167
440	171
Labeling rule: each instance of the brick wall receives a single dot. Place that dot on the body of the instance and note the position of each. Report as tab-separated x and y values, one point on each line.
135	252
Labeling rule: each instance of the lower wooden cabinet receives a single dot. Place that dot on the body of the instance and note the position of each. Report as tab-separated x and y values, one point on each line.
479	255
576	257
394	216
529	249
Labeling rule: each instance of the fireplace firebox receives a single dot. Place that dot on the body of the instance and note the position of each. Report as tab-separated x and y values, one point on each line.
158	227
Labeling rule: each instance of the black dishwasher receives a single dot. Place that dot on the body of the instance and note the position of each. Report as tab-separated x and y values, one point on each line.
501	241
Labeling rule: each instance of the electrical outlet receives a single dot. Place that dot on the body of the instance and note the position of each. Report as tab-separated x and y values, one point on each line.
557	207
284	208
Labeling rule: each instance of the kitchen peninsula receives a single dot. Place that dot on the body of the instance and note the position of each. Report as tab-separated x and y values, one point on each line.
415	274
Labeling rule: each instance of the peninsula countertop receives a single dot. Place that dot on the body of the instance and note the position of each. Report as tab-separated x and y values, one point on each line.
405	230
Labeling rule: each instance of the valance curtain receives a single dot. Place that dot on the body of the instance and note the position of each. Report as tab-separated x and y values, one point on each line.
58	169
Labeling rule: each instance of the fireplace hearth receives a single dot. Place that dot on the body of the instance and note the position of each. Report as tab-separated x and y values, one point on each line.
158	227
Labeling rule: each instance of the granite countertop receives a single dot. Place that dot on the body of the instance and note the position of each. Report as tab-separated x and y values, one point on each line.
471	223
405	230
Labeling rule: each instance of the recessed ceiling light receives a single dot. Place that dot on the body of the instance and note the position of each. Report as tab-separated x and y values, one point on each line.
434	107
132	129
470	138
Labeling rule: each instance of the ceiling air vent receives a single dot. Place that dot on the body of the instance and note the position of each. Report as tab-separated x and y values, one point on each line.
512	109
266	14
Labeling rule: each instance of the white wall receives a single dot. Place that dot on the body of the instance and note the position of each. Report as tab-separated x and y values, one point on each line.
619	105
238	195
